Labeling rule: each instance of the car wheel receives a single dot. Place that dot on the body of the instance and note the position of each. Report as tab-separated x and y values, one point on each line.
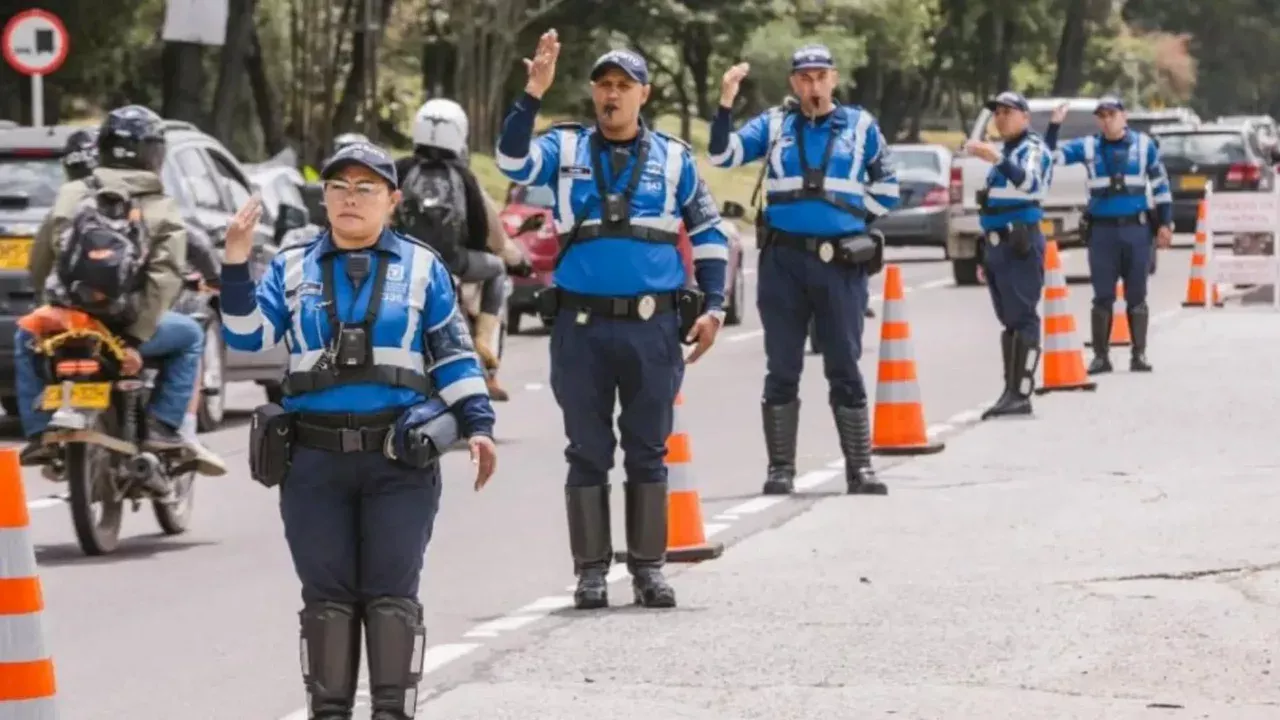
213	397
733	313
965	271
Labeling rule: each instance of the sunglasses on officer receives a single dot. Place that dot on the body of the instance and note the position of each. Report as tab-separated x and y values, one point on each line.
363	190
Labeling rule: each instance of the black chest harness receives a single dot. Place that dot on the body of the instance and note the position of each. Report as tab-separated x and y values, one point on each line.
814	180
615	216
349	358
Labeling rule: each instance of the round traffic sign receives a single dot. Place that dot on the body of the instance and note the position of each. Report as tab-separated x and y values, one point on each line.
35	42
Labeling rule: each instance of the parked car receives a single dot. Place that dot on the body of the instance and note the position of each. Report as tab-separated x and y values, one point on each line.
529	217
1145	120
208	184
1221	152
923	214
281	189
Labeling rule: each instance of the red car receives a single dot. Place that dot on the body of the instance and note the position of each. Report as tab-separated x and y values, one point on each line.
529	217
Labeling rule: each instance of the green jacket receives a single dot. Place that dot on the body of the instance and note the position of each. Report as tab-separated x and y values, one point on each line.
168	254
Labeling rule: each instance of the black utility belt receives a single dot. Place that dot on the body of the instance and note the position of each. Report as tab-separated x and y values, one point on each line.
848	249
638	307
1019	232
993	210
1119	221
344	432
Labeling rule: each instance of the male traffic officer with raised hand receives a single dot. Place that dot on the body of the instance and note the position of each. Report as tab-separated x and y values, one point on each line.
1013	258
828	179
620	312
1120	164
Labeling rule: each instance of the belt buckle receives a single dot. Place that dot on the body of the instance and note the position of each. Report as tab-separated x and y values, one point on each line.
646	306
826	251
350	440
993	237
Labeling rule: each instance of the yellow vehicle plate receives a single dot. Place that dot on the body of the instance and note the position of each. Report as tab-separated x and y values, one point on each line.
1050	228
1192	182
84	396
14	253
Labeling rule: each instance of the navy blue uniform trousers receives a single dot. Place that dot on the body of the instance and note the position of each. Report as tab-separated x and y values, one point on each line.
638	363
794	286
1015	285
357	524
1119	252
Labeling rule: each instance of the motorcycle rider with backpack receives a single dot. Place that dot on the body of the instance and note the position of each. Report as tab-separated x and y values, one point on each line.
115	246
445	207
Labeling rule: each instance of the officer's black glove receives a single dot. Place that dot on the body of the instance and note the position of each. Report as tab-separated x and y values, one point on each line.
422	434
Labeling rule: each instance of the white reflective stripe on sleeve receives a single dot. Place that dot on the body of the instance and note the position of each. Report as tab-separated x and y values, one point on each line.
1030	167
1163	197
775	135
834	184
885	189
873	206
452	359
513	164
857	171
1089	169
564	188
249	324
732	155
711	251
674	164
464	388
419	277
293	273
445	321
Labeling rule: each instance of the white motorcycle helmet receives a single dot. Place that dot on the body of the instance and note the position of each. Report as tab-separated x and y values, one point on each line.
441	124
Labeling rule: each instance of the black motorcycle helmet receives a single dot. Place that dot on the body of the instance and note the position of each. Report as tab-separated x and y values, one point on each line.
350	138
131	138
80	156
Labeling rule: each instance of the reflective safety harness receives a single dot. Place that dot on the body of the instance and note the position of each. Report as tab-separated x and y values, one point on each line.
349	360
615	221
814	180
988	210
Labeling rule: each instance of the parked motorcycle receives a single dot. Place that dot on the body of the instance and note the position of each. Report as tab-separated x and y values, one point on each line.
99	425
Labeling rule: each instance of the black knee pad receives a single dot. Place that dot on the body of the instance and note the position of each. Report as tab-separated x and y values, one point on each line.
397	641
330	651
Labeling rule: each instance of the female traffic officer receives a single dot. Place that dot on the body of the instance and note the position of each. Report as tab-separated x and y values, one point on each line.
378	352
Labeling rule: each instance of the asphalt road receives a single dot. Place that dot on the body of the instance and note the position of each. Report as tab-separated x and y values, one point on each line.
203	626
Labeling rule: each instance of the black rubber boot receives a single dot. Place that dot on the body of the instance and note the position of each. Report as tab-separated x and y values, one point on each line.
590	542
1139	323
330	652
1100	329
1022	380
646	515
853	426
397	640
781	424
1008	394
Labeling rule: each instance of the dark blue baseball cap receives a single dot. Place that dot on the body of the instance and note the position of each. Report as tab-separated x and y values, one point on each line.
1109	102
1009	99
812	57
366	155
628	62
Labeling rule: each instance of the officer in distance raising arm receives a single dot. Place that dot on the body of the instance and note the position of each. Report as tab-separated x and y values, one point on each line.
382	373
1013	258
828	178
1121	165
619	305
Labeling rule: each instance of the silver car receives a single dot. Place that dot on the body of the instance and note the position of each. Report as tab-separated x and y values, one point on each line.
922	217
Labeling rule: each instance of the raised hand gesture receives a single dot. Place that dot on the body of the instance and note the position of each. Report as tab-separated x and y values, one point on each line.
730	83
542	68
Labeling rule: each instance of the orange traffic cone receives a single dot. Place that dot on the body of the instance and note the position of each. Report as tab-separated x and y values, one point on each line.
1063	357
27	685
686	535
1120	336
1196	290
898	428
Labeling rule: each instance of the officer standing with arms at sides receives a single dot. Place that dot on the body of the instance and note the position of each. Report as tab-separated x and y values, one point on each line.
828	179
1121	163
620	308
1013	256
382	374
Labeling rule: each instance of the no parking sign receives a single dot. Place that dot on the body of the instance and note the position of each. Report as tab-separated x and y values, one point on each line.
36	43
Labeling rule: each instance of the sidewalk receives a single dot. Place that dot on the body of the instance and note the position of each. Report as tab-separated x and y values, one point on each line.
1116	558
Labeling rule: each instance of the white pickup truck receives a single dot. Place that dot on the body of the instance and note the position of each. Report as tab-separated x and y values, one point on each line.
1064	204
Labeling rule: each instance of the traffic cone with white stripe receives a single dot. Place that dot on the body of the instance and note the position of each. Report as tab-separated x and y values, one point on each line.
899	425
1063	356
27	687
1196	287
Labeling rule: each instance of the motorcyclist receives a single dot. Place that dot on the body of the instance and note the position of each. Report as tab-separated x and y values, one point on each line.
80	156
445	206
131	150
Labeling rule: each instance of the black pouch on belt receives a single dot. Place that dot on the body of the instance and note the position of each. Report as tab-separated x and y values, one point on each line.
858	249
547	302
1020	241
689	305
270	444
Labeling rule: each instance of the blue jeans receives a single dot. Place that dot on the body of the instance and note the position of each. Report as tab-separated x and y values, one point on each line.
178	339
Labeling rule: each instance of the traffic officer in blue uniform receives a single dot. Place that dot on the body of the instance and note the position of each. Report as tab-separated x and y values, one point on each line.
1121	164
382	377
619	305
828	178
1013	256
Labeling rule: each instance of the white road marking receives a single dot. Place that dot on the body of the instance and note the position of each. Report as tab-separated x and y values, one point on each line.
739	337
534	386
45	503
754	505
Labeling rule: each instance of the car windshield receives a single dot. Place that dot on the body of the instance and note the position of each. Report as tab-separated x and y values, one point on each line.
36	179
539	196
1079	123
1204	148
916	161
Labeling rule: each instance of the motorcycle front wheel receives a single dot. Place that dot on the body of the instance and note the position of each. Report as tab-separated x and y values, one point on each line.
88	474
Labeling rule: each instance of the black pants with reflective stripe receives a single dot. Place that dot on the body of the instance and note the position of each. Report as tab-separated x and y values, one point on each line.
357	524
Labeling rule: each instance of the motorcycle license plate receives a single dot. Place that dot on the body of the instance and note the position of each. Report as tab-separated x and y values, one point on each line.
84	396
14	253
